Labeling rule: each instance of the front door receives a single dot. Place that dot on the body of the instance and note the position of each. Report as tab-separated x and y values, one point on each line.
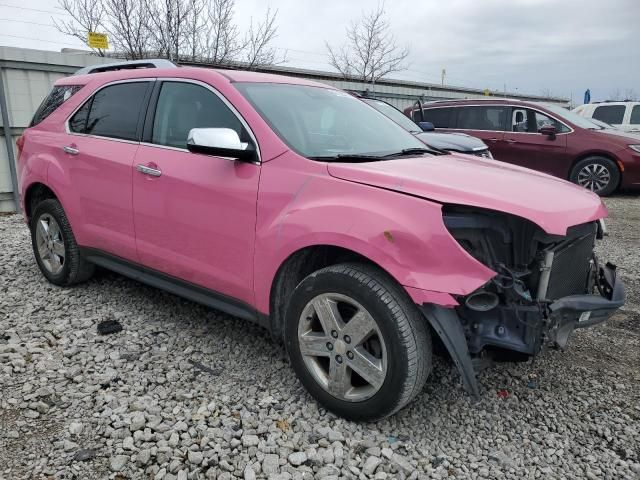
195	214
525	146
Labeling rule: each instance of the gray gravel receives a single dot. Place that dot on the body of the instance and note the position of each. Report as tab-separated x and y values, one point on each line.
184	392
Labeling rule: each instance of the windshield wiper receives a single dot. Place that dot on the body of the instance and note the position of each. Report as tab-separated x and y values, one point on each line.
413	151
341	157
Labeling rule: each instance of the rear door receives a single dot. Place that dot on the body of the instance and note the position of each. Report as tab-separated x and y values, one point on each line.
486	122
524	146
103	138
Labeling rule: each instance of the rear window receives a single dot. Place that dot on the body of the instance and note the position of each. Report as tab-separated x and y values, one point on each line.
440	117
491	118
56	97
612	114
112	112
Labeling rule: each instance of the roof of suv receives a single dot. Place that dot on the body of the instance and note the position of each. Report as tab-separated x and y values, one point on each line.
476	101
195	73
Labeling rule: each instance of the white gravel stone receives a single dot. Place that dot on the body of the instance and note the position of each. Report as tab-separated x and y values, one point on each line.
186	390
297	458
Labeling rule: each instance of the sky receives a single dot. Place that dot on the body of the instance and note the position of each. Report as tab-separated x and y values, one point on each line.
528	46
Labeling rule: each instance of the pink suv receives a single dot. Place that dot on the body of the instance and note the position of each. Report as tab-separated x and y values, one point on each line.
295	205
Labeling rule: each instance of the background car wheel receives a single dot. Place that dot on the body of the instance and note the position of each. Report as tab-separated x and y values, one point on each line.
357	342
598	174
55	247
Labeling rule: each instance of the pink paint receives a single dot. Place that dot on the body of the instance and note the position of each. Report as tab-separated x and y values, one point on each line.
229	226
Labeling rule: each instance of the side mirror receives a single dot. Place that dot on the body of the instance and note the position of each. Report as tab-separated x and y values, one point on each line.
426	126
548	130
221	142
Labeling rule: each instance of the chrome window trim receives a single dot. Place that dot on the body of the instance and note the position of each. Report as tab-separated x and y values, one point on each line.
149	144
229	105
90	135
571	130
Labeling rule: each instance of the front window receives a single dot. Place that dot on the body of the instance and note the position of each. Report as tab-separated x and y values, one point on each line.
326	123
635	115
570	117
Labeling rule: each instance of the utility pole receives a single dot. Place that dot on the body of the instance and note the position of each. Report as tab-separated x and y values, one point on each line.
443	74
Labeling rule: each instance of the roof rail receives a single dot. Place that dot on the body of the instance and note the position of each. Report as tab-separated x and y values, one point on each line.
129	65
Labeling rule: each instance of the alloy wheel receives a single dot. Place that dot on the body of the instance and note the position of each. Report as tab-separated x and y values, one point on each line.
594	176
342	347
50	243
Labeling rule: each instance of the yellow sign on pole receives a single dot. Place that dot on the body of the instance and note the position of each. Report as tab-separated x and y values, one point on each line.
98	40
486	92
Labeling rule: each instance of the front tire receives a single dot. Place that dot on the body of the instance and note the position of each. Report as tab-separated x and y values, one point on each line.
55	247
357	342
601	175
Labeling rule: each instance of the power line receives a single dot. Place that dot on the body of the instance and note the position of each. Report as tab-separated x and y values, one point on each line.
25	21
39	40
31	9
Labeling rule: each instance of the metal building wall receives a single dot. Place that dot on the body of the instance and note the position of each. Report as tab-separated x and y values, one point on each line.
27	76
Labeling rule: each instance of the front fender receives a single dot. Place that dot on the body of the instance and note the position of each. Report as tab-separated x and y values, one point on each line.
402	234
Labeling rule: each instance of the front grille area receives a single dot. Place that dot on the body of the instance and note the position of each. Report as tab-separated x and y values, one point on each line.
571	267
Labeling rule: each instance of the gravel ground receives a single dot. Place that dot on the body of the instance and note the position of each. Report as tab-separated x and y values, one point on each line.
189	393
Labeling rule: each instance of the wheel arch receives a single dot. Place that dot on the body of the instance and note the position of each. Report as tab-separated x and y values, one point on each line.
36	193
299	265
597	153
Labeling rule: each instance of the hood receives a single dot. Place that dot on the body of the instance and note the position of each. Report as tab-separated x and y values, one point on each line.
551	203
452	141
620	136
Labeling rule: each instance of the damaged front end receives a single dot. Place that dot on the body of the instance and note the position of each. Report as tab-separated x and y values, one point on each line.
545	286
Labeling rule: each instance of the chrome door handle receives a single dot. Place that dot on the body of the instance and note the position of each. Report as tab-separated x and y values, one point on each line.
493	139
154	172
70	150
508	140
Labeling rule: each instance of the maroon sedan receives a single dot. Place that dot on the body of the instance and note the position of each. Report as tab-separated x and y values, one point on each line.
543	137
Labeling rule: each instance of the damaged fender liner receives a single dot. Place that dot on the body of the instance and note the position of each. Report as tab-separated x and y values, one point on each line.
565	316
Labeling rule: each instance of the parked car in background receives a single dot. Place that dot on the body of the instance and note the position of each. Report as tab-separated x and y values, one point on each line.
451	142
622	115
293	204
543	137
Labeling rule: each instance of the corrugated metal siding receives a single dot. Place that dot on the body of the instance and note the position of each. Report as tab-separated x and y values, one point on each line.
28	76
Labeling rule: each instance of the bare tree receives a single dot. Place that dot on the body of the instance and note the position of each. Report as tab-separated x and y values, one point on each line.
86	16
615	95
128	27
168	24
630	95
196	26
257	49
176	29
371	51
222	44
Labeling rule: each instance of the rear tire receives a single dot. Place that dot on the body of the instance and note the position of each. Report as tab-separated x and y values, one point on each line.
55	247
363	373
601	175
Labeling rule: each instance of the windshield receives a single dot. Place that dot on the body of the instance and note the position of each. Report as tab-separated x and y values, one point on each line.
571	117
394	114
326	123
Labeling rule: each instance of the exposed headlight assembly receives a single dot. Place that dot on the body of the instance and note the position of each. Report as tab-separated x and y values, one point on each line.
635	147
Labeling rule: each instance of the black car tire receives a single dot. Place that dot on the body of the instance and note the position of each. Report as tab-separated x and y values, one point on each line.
580	171
404	330
75	269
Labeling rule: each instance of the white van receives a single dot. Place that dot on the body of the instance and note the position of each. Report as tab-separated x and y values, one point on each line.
623	115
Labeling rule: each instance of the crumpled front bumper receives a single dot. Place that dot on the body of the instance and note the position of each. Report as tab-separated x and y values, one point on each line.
580	311
565	315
